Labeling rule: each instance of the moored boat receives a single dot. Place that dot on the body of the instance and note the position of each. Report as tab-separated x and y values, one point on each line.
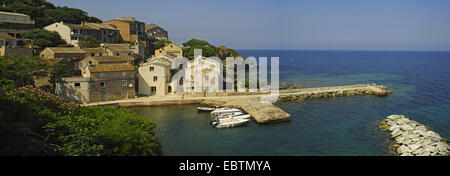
205	109
230	122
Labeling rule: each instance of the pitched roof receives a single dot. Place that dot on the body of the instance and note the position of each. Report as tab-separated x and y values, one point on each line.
111	68
112	58
66	50
94	50
100	26
119	49
79	26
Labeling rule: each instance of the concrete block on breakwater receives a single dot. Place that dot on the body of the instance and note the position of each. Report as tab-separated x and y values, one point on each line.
413	139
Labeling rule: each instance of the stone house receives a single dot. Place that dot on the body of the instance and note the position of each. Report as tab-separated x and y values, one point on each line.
202	75
171	50
154	78
73	33
130	29
69	56
118	49
154	31
75	88
95	52
15	24
111	82
8	45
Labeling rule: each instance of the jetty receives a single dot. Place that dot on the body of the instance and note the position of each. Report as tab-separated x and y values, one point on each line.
412	138
262	112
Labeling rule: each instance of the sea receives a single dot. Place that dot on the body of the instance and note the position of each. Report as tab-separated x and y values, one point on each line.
343	126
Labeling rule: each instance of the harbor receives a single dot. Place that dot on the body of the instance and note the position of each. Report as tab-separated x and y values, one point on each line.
261	112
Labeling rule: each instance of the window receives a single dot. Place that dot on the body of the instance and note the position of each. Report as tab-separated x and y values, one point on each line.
102	85
74	38
151	68
153	89
124	83
124	73
77	85
92	54
102	74
206	78
117	54
155	78
90	63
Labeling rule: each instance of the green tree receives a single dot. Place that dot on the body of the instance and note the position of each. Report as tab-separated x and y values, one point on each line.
88	42
21	69
44	38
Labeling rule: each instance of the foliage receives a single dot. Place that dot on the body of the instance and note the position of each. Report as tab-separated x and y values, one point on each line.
22	70
45	13
105	131
208	50
53	126
157	44
44	38
88	42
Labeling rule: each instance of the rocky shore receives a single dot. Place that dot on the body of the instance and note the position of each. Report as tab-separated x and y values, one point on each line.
414	139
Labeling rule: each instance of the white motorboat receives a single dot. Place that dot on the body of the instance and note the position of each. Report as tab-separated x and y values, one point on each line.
229	114
224	110
230	122
205	109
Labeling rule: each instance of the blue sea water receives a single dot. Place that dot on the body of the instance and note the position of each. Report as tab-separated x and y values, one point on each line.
420	84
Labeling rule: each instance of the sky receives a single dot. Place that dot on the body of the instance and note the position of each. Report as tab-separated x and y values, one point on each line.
290	24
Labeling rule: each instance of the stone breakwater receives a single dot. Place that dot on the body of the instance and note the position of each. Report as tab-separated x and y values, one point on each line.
332	92
414	139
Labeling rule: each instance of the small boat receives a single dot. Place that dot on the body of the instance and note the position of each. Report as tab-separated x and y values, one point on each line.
224	110
228	114
231	122
205	109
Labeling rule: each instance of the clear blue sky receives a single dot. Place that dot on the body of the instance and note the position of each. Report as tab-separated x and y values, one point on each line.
290	24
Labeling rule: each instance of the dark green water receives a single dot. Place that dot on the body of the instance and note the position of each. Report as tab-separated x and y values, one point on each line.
420	82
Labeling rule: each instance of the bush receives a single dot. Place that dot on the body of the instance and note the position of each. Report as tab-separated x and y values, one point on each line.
34	122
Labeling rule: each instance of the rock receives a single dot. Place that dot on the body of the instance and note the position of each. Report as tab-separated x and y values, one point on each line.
432	134
430	149
394	117
406	127
442	147
400	140
426	142
414	147
425	153
406	154
403	149
394	127
396	133
396	145
421	127
418	151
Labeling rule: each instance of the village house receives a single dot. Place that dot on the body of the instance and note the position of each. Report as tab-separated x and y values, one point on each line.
74	88
154	77
73	33
15	24
202	75
111	82
118	49
155	32
95	52
130	29
68	56
8	45
170	49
